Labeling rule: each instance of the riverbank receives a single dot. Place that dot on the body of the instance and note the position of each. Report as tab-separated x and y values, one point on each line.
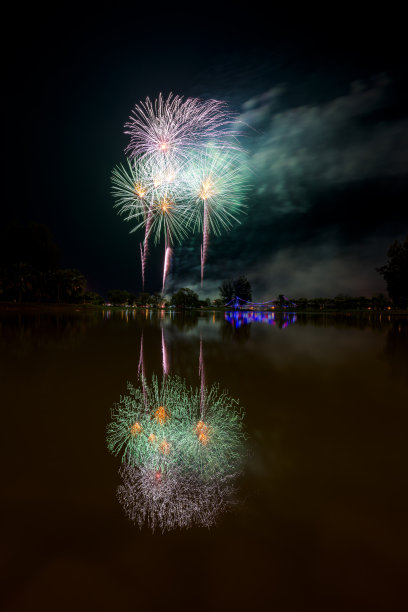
9	307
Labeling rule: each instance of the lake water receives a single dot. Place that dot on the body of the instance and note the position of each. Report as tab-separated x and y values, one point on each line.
321	517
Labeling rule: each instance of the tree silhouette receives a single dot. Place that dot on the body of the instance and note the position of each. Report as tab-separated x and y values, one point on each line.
395	273
240	287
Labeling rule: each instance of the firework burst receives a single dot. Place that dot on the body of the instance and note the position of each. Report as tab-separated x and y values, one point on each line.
175	126
185	172
168	499
198	428
215	193
149	194
146	421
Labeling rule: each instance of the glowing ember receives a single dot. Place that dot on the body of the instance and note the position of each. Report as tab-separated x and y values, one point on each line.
201	427
135	429
207	189
203	438
161	415
166	205
164	447
202	432
158	476
140	191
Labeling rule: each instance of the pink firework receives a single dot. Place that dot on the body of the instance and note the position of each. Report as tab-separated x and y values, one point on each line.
176	125
165	355
206	239
144	247
167	262
201	372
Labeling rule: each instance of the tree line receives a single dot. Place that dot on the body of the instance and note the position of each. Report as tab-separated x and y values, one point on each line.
29	267
183	298
29	272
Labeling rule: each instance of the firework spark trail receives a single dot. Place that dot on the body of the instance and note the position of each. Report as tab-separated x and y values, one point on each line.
167	263
215	192
145	249
166	367
141	372
140	368
168	252
201	372
206	238
143	267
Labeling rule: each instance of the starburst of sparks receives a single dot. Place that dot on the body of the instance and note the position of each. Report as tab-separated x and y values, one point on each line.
175	125
172	499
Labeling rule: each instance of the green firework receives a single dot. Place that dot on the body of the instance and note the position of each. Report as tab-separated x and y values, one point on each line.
169	423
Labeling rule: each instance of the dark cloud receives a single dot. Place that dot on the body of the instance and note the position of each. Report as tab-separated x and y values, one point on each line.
323	145
329	186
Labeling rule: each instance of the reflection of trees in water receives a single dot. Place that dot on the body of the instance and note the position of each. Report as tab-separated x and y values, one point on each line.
238	334
396	346
185	321
182	320
24	333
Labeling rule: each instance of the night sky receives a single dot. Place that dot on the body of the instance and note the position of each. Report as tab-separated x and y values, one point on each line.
324	96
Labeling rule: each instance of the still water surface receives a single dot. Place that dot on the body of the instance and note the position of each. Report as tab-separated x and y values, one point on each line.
321	518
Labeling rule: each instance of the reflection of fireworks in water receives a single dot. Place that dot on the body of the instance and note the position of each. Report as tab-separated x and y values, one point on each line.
173	498
165	357
186	442
141	426
201	373
209	442
140	367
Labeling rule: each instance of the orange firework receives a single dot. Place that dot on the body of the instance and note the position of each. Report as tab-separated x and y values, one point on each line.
135	429
203	438
201	427
139	190
161	415
201	431
166	205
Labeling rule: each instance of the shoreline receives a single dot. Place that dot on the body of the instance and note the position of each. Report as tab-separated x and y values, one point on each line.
11	307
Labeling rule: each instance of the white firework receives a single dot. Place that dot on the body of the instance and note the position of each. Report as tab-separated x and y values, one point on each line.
176	125
168	499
